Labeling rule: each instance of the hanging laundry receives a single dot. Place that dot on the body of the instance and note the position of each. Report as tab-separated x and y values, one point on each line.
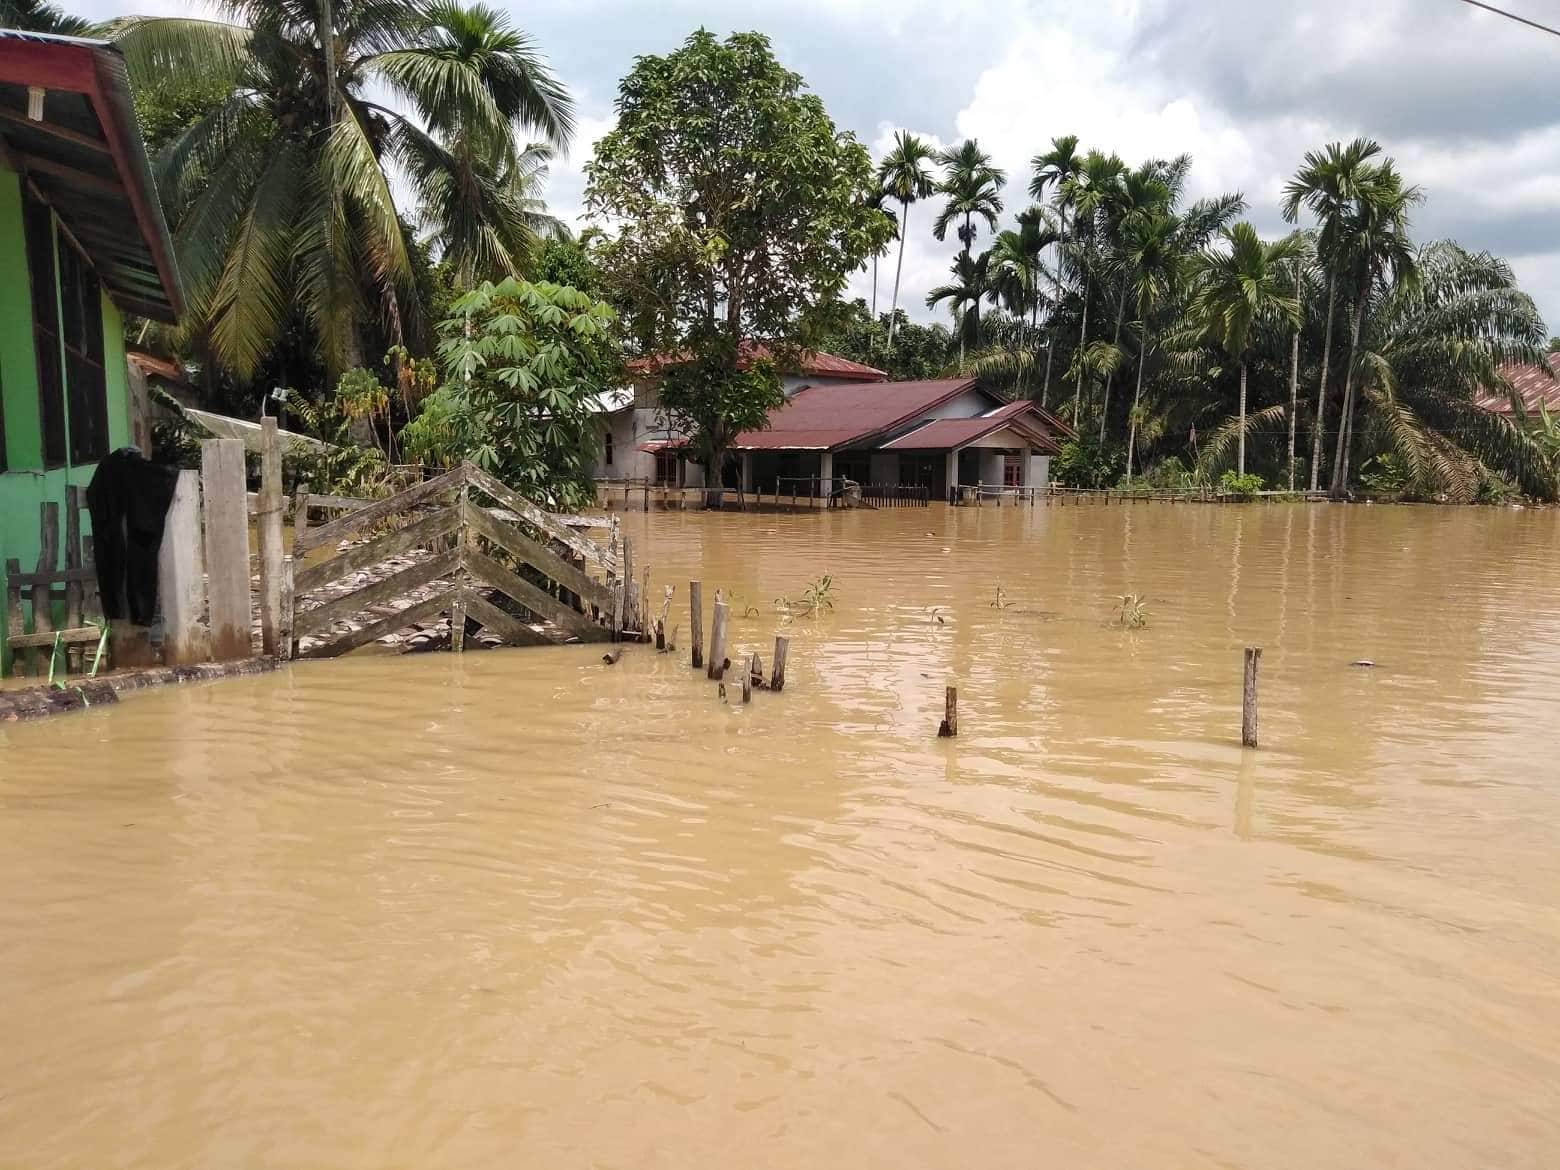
128	498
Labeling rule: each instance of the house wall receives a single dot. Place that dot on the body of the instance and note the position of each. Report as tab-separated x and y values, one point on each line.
1039	471
26	484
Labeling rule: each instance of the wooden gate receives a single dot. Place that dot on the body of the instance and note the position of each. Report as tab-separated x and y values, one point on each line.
515	570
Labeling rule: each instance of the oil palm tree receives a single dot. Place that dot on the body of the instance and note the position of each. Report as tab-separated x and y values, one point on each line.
906	175
1240	287
281	193
973	187
1327	184
971	281
40	17
1430	347
1375	248
1059	168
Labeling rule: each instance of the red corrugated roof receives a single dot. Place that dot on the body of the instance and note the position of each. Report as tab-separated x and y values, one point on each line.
947	433
1533	384
824	417
821	365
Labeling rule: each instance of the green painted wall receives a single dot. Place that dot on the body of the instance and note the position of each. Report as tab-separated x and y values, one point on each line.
26	485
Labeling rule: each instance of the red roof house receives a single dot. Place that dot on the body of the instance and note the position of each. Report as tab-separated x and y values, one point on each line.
1534	386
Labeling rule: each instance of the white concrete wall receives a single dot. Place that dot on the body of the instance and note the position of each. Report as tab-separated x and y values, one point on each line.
991	468
1039	471
966	405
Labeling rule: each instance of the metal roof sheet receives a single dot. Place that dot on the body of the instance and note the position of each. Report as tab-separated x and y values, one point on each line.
825	417
822	365
1533	384
947	433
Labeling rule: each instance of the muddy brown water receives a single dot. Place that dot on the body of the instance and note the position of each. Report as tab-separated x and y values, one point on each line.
521	909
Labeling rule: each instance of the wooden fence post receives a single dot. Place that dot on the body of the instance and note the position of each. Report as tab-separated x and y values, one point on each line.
269	522
289	596
716	667
48	559
73	614
747	683
696	617
227	548
181	576
950	723
777	676
1248	698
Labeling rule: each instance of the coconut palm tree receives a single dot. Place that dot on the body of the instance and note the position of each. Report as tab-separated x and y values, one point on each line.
971	282
906	175
1327	184
1430	347
40	17
281	194
1375	248
1060	167
486	223
973	187
1240	287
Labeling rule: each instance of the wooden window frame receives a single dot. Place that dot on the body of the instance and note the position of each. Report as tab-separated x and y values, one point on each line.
86	376
39	243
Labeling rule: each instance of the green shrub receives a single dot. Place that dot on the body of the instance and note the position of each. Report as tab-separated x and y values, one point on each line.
1242	487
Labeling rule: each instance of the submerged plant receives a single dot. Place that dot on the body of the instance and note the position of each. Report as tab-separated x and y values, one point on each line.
1000	602
816	597
1132	611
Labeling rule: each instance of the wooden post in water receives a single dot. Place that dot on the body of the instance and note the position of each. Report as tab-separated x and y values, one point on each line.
756	670
227	548
181	576
696	619
747	686
777	676
269	522
950	723
1248	698
717	666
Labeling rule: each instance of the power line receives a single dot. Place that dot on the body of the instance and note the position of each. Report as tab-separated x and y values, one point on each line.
1513	16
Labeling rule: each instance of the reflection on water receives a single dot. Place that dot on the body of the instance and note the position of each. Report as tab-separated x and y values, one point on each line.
520	909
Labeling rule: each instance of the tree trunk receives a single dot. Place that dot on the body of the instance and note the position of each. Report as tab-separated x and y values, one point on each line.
1137	397
1034	328
1240	465
893	312
1317	424
1050	349
1294	383
1083	342
1340	475
1121	313
872	332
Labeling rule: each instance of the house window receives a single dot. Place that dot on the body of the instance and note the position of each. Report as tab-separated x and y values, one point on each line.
39	228
666	468
85	386
609	447
1012	471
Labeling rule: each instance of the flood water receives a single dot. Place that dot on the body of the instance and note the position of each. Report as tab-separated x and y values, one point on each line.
523	909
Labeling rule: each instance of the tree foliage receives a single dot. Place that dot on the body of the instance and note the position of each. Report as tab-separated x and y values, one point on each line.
734	210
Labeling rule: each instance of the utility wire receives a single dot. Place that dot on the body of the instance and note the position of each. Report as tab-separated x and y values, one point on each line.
1513	16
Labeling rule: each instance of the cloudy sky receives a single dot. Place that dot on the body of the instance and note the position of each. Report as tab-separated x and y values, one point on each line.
1466	101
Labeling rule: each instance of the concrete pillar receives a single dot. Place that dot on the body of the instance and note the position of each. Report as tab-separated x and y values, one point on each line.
747	471
826	473
952	476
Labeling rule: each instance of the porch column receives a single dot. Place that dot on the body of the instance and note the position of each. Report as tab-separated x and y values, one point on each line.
826	473
746	483
952	476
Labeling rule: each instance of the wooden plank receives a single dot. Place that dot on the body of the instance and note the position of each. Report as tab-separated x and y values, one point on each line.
344	526
320	618
58	577
342	503
48	558
362	556
508	627
14	625
696	617
717	666
47	637
537	518
300	512
289	644
423	611
269	524
181	575
520	546
227	548
462	587
487	570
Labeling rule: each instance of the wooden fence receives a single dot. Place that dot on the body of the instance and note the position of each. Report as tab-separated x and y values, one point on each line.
506	565
71	588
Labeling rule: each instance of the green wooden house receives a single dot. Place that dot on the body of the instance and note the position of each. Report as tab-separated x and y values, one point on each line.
83	244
